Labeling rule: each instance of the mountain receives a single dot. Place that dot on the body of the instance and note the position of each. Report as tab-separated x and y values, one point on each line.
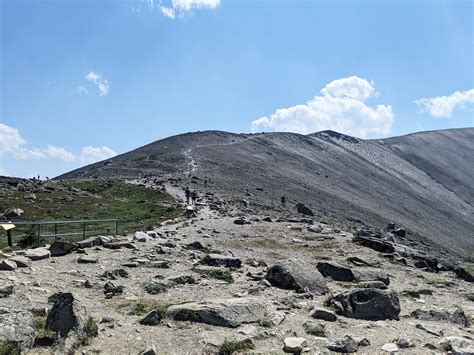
423	181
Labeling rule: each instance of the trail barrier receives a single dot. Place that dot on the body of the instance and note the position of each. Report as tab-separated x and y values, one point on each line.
51	229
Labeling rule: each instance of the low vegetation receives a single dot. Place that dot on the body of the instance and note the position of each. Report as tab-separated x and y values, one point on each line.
218	274
8	347
142	307
231	347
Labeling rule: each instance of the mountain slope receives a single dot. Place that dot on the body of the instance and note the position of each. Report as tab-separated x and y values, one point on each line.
423	181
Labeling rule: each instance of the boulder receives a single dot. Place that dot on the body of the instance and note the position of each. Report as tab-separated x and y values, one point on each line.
6	291
315	228
37	254
344	345
20	261
90	242
375	244
303	209
227	313
297	276
67	317
294	345
335	271
13	213
17	326
221	260
368	303
321	313
60	248
241	221
464	274
400	232
7	265
152	318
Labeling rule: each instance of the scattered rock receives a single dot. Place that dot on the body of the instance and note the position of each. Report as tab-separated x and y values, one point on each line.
30	197
457	345
37	254
141	237
375	244
7	265
335	271
316	329
432	329
241	221
227	313
344	345
303	209
297	276
389	347
60	248
458	316
321	313
85	259
294	345
93	241
111	289
152	318
20	261
67	314
404	343
6	291
221	260
315	228
13	213
372	284
370	304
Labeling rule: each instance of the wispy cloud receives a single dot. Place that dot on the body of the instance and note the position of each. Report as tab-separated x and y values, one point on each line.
13	145
177	8
91	155
443	106
81	90
102	84
340	106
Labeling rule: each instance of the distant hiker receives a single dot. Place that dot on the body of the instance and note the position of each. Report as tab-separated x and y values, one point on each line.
283	201
188	194
194	197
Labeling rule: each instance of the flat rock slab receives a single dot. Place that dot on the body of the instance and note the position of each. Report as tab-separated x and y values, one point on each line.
221	260
294	345
17	326
298	276
87	260
7	265
226	313
37	254
20	261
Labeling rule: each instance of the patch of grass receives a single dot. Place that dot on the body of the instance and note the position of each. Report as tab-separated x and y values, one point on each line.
231	347
8	347
316	329
53	297
439	283
425	291
218	274
469	296
43	336
136	208
91	330
154	288
142	307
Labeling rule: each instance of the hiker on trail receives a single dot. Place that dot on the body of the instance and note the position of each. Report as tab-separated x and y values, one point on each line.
283	201
188	194
194	197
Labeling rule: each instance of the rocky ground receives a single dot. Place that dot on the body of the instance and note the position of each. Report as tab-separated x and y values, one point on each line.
238	280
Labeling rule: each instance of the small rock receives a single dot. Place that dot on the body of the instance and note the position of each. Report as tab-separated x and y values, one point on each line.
85	259
59	248
321	313
457	345
389	347
344	345
294	345
7	265
20	261
37	254
13	213
432	329
152	318
403	343
6	291
221	260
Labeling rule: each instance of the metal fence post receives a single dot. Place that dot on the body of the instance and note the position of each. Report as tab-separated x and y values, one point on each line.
84	230
55	231
9	238
116	227
39	235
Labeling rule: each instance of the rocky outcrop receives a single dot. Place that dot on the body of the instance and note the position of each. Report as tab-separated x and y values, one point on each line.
18	327
227	313
297	276
369	304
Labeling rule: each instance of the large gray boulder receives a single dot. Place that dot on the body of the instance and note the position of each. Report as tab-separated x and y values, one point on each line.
226	313
335	271
297	276
18	327
60	248
368	303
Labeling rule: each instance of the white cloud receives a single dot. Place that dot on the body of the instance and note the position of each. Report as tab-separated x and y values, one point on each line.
340	106
12	144
59	153
443	106
91	155
102	84
3	172
180	7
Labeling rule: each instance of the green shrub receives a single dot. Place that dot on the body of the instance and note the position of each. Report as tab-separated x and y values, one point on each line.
230	347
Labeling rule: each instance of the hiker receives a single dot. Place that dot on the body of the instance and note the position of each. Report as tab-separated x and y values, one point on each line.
194	197
283	201
188	194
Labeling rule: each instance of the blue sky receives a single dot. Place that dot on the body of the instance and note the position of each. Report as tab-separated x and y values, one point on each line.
83	80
